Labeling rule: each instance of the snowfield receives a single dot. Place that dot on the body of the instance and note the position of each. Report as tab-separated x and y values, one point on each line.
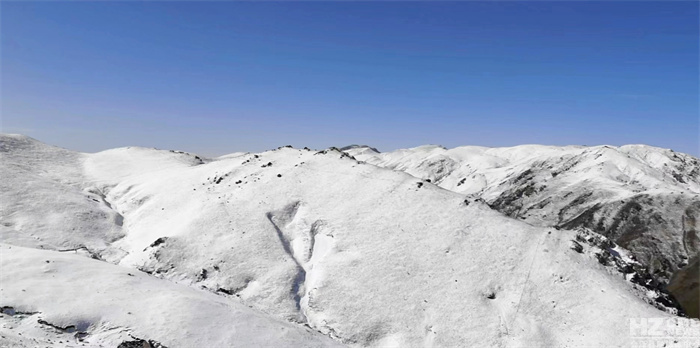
75	296
644	198
295	247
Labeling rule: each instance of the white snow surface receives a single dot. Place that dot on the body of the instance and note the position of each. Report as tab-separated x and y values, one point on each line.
624	169
362	255
113	303
644	197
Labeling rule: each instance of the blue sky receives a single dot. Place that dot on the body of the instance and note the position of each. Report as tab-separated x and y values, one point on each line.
219	77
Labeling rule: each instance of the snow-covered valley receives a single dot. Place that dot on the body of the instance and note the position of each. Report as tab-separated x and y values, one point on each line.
426	247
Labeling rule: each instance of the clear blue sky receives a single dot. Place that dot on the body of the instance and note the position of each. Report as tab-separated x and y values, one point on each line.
219	77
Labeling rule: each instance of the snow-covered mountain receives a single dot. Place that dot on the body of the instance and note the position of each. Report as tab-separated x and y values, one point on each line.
645	199
323	248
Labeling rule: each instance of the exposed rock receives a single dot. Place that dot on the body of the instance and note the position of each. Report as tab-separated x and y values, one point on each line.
685	287
140	343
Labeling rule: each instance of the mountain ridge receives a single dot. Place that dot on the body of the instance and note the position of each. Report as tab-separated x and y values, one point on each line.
305	236
644	197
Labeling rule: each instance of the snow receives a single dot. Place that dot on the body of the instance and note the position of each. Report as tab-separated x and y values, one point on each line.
621	164
112	303
641	196
360	254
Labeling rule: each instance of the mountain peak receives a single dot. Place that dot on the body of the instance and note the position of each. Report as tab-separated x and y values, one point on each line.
355	146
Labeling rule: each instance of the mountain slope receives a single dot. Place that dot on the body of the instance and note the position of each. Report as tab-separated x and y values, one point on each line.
42	189
366	255
54	296
646	199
